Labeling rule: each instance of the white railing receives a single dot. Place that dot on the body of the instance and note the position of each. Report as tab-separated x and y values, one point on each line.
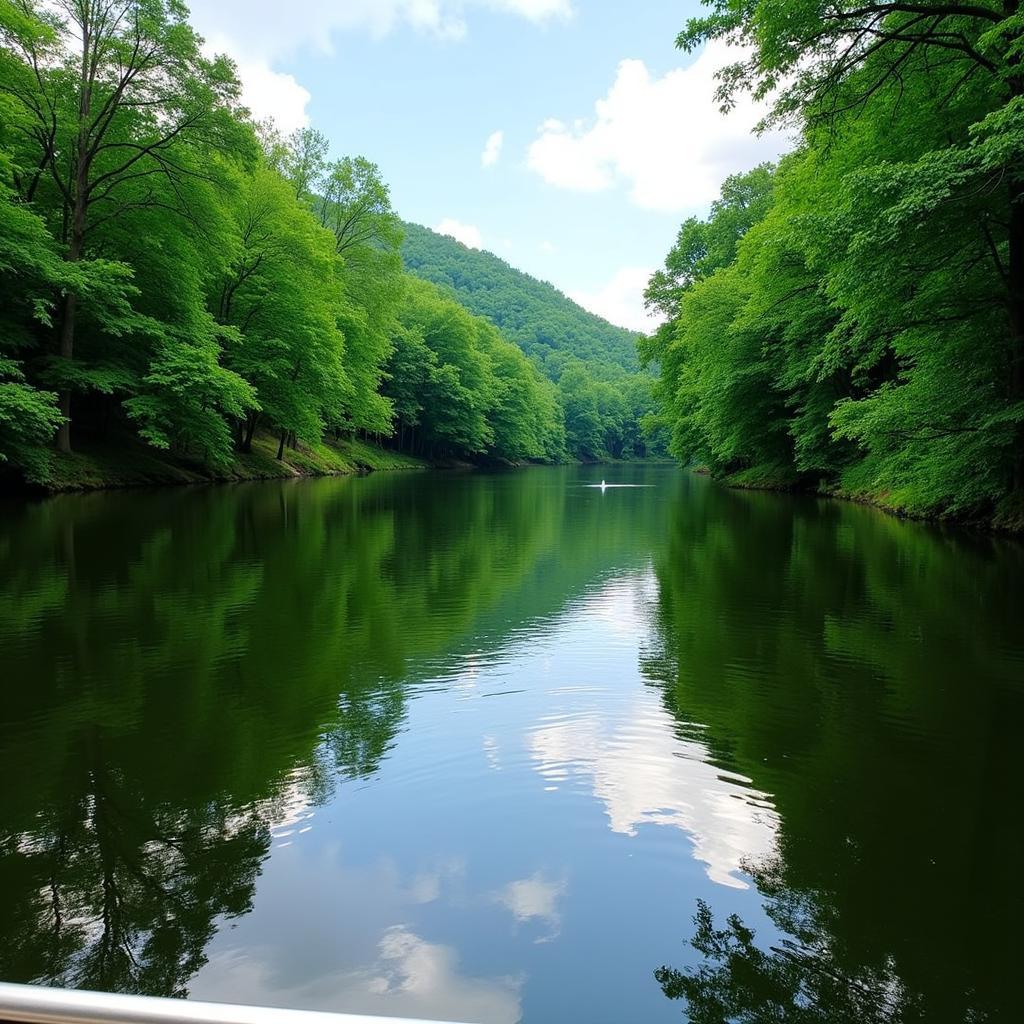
38	1004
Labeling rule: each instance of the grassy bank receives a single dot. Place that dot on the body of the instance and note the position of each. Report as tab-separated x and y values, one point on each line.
1007	517
96	465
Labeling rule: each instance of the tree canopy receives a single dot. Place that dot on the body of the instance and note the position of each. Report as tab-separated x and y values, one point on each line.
174	272
605	396
854	317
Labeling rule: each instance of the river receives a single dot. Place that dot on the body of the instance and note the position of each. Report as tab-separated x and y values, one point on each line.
497	747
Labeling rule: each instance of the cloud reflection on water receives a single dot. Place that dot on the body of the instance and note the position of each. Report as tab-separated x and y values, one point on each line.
638	765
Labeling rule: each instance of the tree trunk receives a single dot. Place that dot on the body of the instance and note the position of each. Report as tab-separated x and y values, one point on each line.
67	344
77	241
68	323
254	419
1015	283
280	447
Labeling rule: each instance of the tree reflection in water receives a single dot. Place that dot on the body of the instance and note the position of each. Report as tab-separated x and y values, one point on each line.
866	674
186	671
798	979
125	896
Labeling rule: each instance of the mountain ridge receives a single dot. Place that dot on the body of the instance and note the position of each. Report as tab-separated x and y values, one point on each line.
541	319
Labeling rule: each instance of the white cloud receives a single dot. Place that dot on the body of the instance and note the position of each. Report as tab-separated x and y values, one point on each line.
492	149
408	977
376	964
267	93
428	886
468	234
621	299
534	899
272	30
639	766
645	776
664	138
275	95
548	246
259	33
535	10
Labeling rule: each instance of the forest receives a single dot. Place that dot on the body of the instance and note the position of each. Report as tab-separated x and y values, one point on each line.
852	319
175	274
607	399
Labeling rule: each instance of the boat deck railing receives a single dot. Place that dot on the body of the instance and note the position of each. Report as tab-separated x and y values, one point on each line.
38	1004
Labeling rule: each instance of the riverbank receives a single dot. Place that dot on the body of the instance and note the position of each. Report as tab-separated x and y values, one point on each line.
125	463
1007	518
100	466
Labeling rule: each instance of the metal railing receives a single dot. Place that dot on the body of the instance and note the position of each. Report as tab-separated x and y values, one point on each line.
37	1004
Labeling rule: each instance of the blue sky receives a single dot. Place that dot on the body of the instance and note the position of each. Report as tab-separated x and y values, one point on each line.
603	136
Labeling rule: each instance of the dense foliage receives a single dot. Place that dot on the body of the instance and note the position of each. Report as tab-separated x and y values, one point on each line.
854	318
594	363
173	271
457	385
534	314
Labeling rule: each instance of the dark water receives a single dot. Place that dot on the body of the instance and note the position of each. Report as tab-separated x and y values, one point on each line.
498	747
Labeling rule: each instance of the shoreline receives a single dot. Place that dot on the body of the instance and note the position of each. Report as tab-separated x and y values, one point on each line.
1007	522
119	465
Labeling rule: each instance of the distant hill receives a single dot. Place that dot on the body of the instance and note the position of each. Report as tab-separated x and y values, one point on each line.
542	321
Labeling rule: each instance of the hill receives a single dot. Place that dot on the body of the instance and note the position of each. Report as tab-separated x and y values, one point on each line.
543	322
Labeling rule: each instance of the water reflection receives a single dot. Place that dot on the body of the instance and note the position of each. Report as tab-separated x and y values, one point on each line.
535	899
642	764
355	953
644	774
799	979
870	675
192	676
478	747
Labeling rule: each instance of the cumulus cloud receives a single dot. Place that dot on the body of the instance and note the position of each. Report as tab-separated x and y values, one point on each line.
535	10
663	138
642	770
274	95
535	899
266	92
492	149
408	977
468	234
259	33
645	776
620	300
375	965
272	30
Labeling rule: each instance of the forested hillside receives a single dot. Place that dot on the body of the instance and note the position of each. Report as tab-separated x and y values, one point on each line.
534	314
175	274
853	318
606	398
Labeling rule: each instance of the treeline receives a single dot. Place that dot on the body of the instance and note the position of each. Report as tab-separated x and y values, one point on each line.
172	270
854	317
605	396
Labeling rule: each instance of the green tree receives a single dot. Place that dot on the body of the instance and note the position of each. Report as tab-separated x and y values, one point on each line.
911	121
282	293
113	94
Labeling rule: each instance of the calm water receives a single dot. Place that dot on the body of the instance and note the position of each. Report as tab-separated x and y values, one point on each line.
498	747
